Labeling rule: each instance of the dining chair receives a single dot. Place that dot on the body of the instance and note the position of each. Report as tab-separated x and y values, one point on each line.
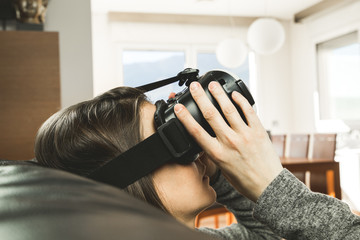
323	148
299	149
298	145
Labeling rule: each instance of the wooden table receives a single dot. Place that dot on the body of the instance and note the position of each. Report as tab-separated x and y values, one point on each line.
317	165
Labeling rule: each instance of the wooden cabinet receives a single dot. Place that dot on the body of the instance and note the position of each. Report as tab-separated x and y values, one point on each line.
29	89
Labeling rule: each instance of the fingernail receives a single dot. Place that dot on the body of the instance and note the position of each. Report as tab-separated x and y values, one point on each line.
212	85
236	94
194	85
178	108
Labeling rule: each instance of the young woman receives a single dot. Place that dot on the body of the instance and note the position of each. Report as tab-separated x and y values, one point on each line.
83	137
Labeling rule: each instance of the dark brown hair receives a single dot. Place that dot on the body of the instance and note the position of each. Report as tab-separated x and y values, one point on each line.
85	136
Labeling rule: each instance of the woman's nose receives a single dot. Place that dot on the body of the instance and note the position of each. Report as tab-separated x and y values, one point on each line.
200	164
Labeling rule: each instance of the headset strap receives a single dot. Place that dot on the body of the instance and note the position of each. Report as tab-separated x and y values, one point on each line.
184	77
158	84
169	143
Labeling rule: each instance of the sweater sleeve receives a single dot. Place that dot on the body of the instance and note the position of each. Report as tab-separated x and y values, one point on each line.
290	209
246	227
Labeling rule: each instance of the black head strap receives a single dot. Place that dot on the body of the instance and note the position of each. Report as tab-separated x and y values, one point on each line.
169	143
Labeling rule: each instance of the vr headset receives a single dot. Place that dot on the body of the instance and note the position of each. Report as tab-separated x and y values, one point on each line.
171	142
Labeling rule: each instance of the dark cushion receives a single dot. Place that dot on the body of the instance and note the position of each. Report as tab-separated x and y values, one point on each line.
41	203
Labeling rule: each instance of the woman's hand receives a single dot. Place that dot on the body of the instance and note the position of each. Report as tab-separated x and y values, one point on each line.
243	152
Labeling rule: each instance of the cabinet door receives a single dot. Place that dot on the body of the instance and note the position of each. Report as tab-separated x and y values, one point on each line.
29	89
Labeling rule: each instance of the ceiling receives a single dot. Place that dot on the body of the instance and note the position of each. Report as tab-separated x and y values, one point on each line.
281	9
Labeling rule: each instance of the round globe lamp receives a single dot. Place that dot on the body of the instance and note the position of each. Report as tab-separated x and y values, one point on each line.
231	52
266	36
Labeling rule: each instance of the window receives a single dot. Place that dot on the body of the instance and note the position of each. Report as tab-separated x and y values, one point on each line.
143	67
339	79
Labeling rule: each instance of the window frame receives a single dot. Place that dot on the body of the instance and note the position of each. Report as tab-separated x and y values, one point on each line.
191	52
322	95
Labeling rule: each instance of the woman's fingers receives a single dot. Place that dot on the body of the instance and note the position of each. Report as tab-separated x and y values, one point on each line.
227	107
208	110
205	141
246	157
247	109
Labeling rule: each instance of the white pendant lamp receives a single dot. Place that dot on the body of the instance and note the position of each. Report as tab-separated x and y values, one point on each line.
231	52
266	36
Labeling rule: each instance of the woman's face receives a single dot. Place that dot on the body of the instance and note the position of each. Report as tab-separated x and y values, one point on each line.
183	189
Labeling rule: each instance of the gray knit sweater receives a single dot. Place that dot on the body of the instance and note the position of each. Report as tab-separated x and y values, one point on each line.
287	207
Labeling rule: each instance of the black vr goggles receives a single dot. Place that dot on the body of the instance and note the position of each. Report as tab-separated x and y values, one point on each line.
171	142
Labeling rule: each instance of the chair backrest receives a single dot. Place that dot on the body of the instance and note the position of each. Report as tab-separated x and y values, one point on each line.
279	143
324	146
307	162
298	145
215	217
298	148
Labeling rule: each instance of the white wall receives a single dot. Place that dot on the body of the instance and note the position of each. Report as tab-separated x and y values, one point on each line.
274	88
105	71
72	19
